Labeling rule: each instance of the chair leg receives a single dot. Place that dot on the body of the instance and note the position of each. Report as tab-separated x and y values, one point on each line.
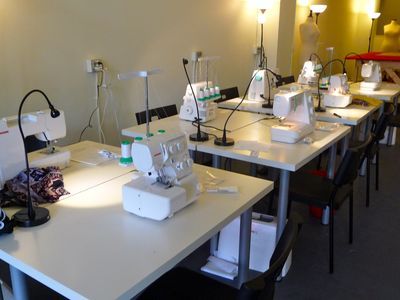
377	170
331	223
351	218
368	179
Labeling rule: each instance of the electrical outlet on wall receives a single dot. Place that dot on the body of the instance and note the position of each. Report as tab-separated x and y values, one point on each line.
94	65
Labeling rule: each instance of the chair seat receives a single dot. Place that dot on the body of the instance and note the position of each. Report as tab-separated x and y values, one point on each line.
180	283
315	190
394	121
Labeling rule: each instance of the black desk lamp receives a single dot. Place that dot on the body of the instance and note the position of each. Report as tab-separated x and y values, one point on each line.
32	216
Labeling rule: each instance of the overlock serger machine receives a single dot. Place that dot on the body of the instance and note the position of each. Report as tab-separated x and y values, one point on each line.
297	109
167	183
45	128
372	74
205	94
338	94
308	74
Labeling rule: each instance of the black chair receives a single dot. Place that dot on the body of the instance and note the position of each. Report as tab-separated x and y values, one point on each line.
180	283
285	80
323	192
378	133
159	112
33	144
394	121
229	93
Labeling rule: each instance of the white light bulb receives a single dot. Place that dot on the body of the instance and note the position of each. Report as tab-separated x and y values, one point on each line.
374	15
318	8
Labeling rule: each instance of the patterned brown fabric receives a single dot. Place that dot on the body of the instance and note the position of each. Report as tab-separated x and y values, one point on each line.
47	186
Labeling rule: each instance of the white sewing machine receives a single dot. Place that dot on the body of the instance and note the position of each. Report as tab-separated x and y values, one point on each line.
308	74
338	94
45	128
372	74
205	94
259	86
167	183
298	110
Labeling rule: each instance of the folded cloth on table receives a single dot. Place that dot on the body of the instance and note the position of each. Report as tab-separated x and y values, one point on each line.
47	185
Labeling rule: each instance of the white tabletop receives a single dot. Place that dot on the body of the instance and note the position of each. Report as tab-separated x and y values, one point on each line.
237	121
351	115
93	249
82	176
279	155
387	92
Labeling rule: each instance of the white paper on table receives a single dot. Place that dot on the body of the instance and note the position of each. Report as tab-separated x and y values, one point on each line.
220	267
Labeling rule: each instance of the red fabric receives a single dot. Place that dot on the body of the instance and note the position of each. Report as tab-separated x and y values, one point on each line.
376	56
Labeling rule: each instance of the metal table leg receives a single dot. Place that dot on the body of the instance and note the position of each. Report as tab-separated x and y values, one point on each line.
244	245
18	280
283	202
345	145
331	174
216	161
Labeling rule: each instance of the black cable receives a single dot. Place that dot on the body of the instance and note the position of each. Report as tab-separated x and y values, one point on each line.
89	125
319	80
223	140
209	126
317	56
359	56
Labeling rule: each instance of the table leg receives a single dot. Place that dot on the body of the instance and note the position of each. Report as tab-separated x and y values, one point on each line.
18	280
282	203
214	244
244	245
390	128
345	145
331	174
332	161
216	161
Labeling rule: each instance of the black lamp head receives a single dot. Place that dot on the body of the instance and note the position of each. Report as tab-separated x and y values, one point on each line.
54	113
185	61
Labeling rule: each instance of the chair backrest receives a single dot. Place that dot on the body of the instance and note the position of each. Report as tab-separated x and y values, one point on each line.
285	80
263	286
33	144
347	171
159	112
383	121
228	93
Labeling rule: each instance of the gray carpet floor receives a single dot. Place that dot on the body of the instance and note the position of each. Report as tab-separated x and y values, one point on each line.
367	269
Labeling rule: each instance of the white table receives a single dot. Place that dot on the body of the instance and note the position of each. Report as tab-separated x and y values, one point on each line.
237	121
285	157
351	115
389	92
93	249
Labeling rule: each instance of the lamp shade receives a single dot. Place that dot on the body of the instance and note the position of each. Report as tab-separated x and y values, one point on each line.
374	15
318	8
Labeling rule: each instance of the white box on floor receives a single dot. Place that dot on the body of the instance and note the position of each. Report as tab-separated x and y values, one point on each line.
262	245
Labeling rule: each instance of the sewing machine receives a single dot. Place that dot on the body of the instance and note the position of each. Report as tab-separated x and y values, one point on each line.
205	94
167	183
372	74
297	109
308	74
338	94
259	86
45	128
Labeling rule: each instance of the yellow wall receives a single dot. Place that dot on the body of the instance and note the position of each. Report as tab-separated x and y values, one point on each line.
44	44
345	25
